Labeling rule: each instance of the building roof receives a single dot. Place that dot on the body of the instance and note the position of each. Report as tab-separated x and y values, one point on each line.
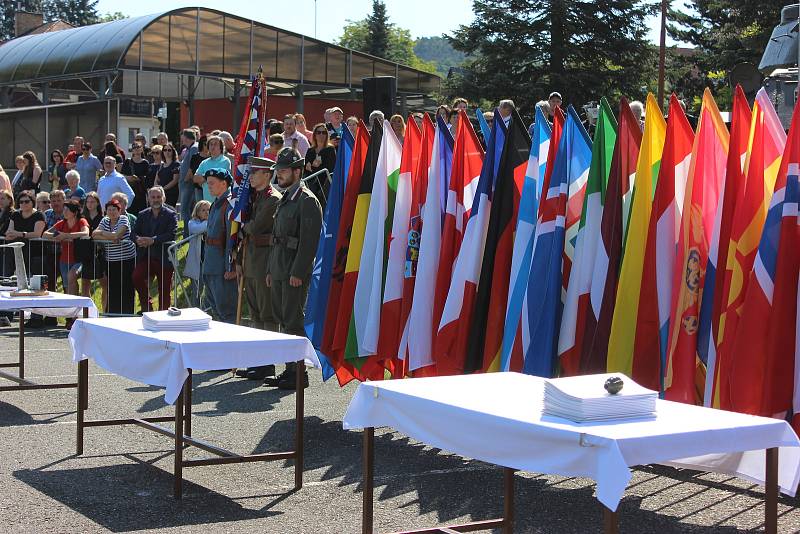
200	42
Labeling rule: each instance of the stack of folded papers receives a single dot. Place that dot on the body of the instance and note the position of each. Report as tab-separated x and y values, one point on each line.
584	399
189	319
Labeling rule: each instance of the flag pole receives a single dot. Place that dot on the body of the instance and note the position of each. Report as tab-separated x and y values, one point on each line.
662	53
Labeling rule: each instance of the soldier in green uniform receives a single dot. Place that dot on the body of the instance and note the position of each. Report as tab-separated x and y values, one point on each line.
254	253
298	221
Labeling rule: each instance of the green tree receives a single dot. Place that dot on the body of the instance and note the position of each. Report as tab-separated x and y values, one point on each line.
378	27
108	17
400	46
7	10
523	49
724	34
439	51
75	12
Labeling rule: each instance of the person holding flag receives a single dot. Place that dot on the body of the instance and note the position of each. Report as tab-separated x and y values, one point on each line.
219	275
298	221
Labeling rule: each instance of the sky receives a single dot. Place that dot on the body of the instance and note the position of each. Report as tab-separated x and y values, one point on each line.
422	17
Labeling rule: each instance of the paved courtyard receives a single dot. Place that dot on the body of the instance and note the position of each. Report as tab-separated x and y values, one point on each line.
123	482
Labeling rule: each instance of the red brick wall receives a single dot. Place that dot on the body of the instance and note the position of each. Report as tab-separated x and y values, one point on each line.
218	113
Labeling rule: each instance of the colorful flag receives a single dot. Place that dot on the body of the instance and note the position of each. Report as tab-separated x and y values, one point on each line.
391	325
421	327
319	287
605	275
467	162
374	251
523	239
765	146
570	171
352	186
576	304
485	336
626	307
485	130
451	340
419	190
762	379
706	176
250	142
655	301
714	298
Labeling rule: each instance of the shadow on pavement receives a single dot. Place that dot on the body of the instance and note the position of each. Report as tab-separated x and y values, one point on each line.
124	498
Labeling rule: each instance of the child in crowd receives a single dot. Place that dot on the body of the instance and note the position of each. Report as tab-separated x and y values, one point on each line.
194	257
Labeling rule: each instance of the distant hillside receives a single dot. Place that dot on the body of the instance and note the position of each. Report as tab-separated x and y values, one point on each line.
438	50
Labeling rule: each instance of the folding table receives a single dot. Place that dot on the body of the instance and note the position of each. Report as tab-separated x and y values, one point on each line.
51	305
497	418
166	358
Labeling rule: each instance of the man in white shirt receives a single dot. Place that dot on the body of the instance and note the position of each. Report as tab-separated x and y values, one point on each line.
112	182
292	138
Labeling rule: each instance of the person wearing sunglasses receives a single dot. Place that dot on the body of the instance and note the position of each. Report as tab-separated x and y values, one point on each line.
168	174
26	223
321	155
88	166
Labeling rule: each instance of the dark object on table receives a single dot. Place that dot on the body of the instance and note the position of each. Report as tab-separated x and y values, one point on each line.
614	385
173	311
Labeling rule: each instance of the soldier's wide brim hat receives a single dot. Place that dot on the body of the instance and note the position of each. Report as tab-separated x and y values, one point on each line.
288	158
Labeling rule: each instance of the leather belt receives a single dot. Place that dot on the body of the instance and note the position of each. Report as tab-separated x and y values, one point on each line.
215	241
289	242
264	240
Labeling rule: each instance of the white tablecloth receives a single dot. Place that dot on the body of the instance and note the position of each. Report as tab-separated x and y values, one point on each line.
124	347
497	418
52	305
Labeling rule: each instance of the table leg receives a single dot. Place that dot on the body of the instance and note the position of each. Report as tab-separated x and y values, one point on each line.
610	521
508	501
83	402
86	370
178	489
771	483
21	344
368	466
187	412
300	369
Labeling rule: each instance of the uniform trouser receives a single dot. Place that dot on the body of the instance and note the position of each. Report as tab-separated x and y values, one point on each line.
187	200
288	304
221	295
259	301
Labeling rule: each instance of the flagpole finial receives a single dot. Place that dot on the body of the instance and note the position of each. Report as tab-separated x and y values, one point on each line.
260	74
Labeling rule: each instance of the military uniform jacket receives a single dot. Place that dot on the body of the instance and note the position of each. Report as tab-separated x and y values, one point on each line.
217	259
298	221
258	232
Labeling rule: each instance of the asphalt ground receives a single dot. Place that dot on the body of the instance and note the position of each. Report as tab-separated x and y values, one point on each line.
123	482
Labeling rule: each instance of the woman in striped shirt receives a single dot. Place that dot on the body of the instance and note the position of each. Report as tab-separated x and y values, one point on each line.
120	257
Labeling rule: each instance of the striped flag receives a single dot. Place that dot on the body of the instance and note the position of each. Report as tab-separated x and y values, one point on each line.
374	251
421	327
570	173
419	190
391	325
605	274
353	183
762	379
467	162
251	141
706	176
626	307
485	337
451	340
765	146
319	288
714	297
655	301
576	304
523	241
